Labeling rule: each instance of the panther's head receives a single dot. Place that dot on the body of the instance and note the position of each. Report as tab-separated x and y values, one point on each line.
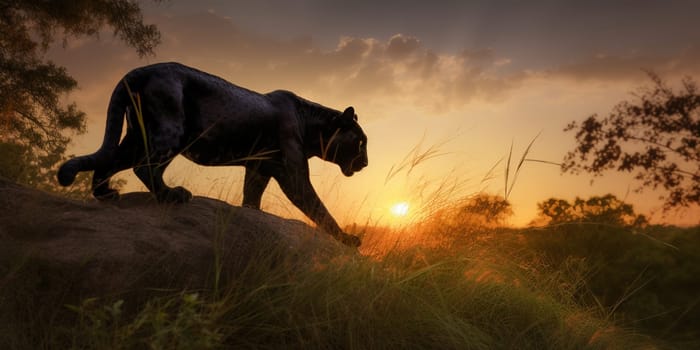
346	143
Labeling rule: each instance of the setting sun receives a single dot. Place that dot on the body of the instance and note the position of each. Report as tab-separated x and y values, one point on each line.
400	209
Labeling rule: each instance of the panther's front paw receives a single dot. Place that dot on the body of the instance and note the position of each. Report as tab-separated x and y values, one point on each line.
107	195
175	195
349	240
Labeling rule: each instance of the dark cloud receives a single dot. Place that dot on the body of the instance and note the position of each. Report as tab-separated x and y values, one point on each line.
398	67
401	46
545	32
356	68
604	67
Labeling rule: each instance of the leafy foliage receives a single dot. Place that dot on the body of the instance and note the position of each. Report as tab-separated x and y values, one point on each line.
33	117
177	322
657	137
606	209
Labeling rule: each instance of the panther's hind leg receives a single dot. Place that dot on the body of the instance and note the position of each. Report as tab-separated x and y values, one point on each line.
100	185
164	123
151	174
125	158
253	186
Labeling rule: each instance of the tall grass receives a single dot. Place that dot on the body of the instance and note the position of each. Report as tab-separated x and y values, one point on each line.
461	296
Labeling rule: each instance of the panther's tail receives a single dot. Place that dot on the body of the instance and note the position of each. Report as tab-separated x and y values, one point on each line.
115	121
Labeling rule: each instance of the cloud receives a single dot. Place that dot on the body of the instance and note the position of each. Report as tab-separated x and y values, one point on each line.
606	67
398	70
400	46
401	68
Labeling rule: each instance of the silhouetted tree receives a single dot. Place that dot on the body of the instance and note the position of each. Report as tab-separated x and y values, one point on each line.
33	119
606	209
486	210
657	137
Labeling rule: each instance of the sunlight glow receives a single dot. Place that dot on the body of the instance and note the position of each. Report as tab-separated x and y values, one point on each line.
400	209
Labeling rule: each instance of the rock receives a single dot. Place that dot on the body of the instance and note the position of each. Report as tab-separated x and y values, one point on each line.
50	243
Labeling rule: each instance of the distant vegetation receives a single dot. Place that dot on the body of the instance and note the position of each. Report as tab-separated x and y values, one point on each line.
644	279
605	209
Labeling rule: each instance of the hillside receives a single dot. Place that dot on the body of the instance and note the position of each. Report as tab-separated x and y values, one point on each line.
206	275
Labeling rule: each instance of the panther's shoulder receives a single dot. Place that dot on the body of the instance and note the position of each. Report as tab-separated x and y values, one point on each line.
303	105
170	69
286	94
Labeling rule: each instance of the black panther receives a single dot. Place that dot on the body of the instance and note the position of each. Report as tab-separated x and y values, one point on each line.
173	109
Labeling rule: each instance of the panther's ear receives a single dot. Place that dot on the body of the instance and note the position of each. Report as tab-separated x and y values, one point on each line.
348	115
345	118
349	112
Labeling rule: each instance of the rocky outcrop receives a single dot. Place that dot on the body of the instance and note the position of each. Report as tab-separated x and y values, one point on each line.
48	242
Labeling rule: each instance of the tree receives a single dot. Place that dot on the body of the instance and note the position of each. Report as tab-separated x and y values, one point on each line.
33	119
474	216
489	209
480	211
657	137
606	209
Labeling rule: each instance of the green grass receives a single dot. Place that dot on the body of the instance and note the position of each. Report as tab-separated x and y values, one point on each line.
491	290
646	279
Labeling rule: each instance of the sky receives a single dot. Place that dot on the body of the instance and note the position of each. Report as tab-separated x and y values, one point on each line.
460	80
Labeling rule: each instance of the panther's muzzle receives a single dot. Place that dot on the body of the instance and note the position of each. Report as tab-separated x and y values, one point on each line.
355	166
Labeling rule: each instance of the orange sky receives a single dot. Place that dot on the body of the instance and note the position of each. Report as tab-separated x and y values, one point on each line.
466	77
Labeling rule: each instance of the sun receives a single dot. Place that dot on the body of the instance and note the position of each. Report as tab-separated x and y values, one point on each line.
400	209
